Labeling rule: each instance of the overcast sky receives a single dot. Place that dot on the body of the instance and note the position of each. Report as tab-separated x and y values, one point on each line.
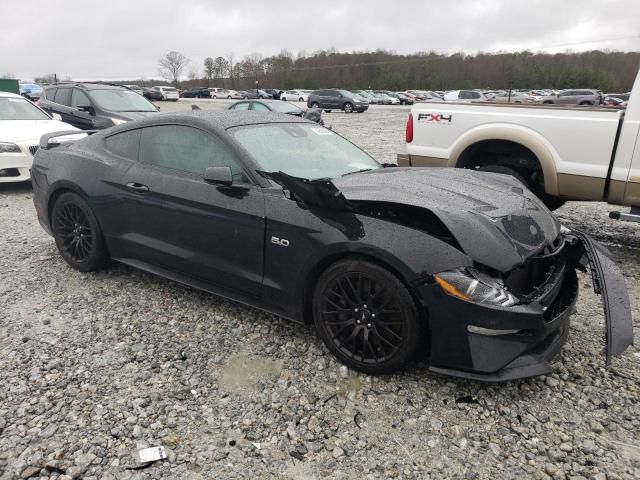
123	40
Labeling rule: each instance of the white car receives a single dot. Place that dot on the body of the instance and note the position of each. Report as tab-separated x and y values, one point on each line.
295	95
168	93
21	125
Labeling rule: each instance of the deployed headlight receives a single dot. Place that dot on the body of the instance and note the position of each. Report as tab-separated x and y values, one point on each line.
9	148
476	287
118	121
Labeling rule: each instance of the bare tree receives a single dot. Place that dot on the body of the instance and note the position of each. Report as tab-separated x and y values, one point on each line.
231	69
171	66
209	70
193	73
10	76
221	68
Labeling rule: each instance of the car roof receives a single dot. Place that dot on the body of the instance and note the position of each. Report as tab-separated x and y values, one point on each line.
9	94
211	119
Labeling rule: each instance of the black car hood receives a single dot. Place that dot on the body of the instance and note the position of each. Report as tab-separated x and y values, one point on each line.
494	218
496	221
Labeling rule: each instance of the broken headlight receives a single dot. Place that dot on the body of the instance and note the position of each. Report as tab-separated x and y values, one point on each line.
474	286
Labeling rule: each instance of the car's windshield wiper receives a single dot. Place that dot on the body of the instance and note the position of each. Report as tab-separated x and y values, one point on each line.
358	171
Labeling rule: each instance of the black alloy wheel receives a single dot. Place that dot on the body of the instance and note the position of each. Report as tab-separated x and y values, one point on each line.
77	233
366	317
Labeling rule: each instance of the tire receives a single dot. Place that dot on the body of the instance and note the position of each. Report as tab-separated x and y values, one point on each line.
551	202
347	107
77	233
585	103
327	111
301	99
547	102
366	317
315	105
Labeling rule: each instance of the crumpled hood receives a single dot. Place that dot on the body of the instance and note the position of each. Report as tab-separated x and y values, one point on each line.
496	221
25	130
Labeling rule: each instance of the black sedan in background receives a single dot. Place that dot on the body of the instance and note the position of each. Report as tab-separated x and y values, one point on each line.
278	107
151	93
466	269
197	92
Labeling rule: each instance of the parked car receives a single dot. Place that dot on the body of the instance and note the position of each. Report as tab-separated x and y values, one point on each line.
574	97
197	92
168	93
274	93
559	153
32	91
514	97
403	98
253	94
622	96
333	99
294	96
274	106
21	125
465	96
135	88
610	101
289	217
92	106
151	93
386	98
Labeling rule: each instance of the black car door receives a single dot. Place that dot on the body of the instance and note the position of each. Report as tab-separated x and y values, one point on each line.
62	105
82	110
174	220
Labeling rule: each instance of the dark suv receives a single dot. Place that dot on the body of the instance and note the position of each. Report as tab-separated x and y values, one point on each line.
196	92
92	106
337	100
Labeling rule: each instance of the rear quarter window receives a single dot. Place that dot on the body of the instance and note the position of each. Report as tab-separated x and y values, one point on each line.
125	144
63	96
50	93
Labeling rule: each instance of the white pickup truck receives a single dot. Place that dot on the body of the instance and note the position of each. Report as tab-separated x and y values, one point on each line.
561	153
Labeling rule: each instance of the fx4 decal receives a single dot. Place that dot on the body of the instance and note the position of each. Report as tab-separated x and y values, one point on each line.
435	117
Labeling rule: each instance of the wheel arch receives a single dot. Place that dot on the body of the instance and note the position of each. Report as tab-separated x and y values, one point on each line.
326	262
518	137
58	189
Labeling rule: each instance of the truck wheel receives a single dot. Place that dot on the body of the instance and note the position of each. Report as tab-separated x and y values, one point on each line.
551	202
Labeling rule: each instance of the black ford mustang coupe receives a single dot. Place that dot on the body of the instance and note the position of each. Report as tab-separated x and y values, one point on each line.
466	269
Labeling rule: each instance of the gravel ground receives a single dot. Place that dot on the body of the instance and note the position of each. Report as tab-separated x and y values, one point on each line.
95	366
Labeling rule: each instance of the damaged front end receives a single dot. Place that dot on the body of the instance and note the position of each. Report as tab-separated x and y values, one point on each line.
505	314
515	323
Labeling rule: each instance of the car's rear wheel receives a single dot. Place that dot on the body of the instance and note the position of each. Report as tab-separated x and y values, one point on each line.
77	233
366	317
348	107
315	105
301	99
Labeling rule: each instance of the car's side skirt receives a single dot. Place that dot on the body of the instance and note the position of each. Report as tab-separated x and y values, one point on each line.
206	287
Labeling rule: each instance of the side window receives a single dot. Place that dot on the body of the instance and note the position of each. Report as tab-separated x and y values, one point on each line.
291	92
50	93
259	107
125	144
475	95
63	96
79	99
186	149
241	106
464	95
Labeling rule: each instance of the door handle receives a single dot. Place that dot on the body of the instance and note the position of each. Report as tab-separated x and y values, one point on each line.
137	187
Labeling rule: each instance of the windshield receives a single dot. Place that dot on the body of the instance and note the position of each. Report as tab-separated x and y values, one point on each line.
12	108
284	107
302	150
121	101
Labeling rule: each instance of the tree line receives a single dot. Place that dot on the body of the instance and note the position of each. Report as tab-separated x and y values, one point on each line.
604	70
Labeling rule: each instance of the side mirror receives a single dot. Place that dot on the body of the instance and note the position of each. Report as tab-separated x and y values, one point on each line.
87	108
218	175
56	116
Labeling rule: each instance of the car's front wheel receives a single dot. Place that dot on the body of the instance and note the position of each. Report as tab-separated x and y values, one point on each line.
348	107
367	317
315	105
77	233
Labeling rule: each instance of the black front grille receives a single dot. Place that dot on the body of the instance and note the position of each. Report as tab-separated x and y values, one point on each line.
33	149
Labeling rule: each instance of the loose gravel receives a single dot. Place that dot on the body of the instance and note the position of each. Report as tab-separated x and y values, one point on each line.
95	366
